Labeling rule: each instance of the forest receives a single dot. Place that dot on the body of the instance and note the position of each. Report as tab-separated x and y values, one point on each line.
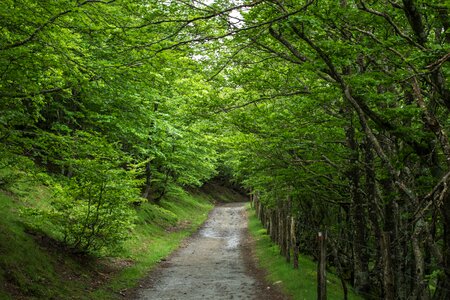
332	115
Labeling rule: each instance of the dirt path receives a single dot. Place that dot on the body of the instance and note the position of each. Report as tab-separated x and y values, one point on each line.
216	263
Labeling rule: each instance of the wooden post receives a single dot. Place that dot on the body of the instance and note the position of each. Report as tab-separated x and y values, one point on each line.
321	266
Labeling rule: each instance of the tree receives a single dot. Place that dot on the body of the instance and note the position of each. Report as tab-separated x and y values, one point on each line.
89	96
382	69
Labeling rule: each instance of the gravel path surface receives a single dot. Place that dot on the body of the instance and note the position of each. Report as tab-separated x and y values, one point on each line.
216	263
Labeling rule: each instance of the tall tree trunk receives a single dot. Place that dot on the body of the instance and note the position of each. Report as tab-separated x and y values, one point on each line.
443	199
443	290
358	216
148	178
374	208
388	276
287	233
281	234
420	286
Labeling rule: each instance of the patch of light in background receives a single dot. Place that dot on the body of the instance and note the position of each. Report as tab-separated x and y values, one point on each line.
235	16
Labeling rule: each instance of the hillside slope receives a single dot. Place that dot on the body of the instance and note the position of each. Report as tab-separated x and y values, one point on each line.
34	266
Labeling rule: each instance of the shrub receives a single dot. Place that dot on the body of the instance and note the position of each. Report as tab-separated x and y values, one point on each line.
93	210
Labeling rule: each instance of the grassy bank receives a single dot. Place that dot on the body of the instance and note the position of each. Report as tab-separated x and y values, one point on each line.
299	284
160	231
33	266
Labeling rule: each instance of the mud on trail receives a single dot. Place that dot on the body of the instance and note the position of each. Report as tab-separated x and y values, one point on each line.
215	263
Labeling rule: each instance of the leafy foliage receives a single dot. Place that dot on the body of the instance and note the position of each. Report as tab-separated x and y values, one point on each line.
87	100
93	210
338	108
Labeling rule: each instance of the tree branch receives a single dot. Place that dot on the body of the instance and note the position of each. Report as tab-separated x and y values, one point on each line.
199	18
35	32
31	94
270	97
391	22
229	33
287	44
47	23
276	53
229	60
415	20
438	63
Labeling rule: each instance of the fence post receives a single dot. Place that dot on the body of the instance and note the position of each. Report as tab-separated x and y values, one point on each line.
321	267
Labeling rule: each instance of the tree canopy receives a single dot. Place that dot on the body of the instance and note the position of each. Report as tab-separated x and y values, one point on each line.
334	112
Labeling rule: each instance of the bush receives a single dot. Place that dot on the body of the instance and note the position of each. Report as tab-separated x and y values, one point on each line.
93	210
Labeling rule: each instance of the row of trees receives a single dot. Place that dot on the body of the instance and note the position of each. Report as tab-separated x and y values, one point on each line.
343	113
85	97
334	112
337	111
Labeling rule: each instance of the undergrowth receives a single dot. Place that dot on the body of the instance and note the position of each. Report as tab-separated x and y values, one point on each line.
34	265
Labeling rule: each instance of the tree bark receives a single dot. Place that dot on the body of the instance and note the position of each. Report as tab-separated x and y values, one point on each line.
294	243
358	215
148	178
388	276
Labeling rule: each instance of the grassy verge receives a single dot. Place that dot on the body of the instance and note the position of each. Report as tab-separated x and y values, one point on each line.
299	284
160	231
33	266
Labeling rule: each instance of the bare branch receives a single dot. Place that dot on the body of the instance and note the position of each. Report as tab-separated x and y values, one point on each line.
438	63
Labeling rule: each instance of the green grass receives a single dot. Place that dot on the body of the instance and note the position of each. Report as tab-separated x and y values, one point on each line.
27	270
160	231
300	284
33	266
